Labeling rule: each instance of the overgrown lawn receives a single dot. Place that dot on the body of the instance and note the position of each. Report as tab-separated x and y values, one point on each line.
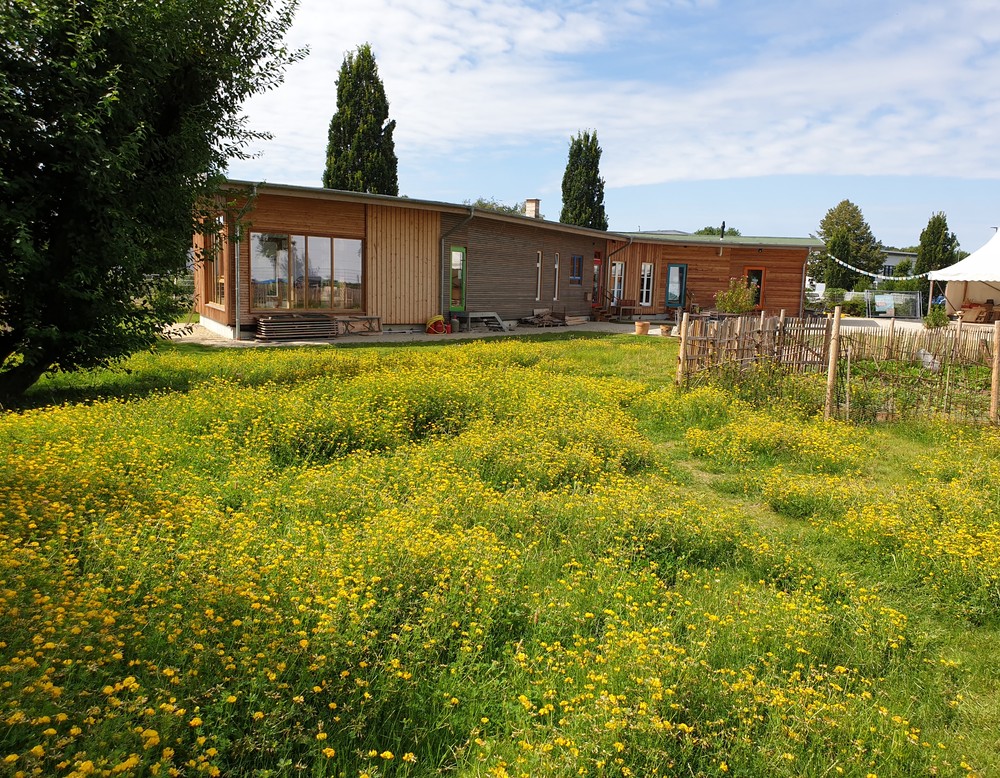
514	557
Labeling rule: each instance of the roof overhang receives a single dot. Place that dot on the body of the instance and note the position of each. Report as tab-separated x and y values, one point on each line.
362	198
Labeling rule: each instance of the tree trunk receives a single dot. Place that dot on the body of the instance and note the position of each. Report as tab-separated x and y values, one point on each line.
17	380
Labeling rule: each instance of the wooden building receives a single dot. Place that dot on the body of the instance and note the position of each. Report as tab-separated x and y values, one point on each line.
299	251
660	273
292	254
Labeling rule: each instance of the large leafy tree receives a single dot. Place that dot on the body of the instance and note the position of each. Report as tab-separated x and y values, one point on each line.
903	268
938	247
730	231
360	153
117	118
837	276
867	253
582	185
492	204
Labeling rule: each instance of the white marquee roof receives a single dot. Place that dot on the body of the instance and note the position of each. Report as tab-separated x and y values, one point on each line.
981	265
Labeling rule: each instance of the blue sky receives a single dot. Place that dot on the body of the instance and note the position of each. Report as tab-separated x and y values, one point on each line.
762	113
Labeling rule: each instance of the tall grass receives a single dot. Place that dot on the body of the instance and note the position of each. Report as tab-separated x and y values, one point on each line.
477	560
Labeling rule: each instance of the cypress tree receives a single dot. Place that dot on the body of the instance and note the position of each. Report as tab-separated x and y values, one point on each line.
582	185
360	154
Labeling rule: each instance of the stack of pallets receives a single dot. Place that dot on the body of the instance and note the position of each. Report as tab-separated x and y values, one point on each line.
296	326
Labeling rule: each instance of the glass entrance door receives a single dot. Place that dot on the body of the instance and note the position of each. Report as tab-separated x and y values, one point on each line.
676	286
457	279
617	281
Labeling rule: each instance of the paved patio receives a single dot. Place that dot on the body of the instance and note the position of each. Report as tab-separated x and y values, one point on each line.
203	336
206	337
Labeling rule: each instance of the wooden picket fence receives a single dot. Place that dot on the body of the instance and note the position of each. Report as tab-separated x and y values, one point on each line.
871	373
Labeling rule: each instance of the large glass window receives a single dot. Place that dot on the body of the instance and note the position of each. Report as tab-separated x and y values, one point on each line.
646	284
298	274
319	280
347	282
576	270
215	264
305	271
269	270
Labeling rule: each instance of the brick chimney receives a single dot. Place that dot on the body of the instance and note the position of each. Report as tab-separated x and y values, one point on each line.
532	209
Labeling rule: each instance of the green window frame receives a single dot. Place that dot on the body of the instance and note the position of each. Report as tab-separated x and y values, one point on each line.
676	286
458	274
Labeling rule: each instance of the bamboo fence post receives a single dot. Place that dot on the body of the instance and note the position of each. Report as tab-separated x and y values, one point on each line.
779	337
847	385
738	342
995	384
831	375
892	338
682	354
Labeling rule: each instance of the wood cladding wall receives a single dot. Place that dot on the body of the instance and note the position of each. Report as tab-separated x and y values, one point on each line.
502	271
708	272
511	264
283	214
307	215
783	277
633	257
402	264
203	281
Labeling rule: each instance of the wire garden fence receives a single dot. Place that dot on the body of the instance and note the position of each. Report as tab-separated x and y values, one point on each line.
857	374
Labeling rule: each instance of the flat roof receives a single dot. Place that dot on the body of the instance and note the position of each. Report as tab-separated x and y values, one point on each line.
683	239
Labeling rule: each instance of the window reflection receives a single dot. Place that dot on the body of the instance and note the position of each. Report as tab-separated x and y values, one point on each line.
305	272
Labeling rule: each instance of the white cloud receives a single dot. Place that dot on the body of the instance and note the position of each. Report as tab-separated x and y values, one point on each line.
893	89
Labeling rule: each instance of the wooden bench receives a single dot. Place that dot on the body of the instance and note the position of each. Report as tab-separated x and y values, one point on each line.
353	325
491	319
623	309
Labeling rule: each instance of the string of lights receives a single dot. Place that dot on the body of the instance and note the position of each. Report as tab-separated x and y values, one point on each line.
879	276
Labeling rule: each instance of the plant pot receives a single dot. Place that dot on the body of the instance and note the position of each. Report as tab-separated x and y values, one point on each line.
642	328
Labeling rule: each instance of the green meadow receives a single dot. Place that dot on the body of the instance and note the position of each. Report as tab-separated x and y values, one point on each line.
514	557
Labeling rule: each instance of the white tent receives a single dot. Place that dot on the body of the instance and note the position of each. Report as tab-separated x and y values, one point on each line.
974	280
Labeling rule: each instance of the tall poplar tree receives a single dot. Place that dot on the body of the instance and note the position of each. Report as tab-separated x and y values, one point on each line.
938	247
582	185
360	154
